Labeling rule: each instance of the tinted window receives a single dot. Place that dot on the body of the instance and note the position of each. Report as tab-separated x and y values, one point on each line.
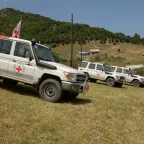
22	49
119	70
84	64
91	66
126	71
5	46
99	67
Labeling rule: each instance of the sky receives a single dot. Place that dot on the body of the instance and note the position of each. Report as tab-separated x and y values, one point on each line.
126	16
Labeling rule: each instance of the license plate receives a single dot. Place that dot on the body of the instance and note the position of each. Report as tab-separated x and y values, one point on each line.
85	88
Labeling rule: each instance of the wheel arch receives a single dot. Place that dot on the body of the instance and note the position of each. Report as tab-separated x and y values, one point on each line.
47	76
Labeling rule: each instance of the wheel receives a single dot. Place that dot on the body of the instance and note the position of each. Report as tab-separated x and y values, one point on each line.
118	84
136	83
50	90
69	96
9	82
87	76
110	82
93	80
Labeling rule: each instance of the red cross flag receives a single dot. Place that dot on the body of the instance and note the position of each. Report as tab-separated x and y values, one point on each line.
16	31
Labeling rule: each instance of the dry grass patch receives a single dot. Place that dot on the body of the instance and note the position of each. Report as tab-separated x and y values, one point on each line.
105	116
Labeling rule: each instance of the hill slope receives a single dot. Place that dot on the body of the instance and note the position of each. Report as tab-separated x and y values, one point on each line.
49	31
128	54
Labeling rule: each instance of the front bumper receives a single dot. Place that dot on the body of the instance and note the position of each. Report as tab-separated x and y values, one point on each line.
75	87
120	81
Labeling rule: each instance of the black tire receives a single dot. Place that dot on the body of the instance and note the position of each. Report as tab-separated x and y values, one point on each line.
118	85
50	90
110	82
69	96
93	80
87	76
8	82
136	83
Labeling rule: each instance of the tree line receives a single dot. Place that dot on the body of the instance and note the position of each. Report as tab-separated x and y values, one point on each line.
52	32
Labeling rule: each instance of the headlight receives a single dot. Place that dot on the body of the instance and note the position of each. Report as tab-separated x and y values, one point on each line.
118	77
142	79
70	76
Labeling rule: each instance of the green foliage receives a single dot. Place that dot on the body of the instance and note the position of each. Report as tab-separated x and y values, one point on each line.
49	31
140	71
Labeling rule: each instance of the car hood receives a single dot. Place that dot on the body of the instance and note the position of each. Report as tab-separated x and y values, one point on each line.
138	76
64	68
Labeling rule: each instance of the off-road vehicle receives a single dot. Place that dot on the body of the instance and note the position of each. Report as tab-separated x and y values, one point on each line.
97	71
33	64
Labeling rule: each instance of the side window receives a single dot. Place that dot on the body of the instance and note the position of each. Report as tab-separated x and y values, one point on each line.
126	71
99	67
84	64
119	70
22	50
5	46
92	66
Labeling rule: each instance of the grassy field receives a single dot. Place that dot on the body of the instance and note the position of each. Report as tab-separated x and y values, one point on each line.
104	116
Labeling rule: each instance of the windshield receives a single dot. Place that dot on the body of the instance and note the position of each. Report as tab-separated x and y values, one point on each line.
109	68
133	72
43	53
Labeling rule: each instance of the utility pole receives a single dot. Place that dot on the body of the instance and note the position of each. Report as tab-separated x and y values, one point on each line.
71	60
81	49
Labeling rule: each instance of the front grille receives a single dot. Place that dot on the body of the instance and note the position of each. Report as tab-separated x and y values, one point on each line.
122	78
80	78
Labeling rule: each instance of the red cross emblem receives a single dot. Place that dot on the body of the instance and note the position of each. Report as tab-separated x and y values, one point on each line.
19	69
98	75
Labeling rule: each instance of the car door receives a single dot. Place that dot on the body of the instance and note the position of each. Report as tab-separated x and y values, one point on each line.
20	68
127	75
5	50
99	73
91	70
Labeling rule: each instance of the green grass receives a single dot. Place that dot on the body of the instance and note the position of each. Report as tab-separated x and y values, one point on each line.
104	116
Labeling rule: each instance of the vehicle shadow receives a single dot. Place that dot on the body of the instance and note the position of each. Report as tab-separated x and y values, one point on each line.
20	89
25	90
77	101
109	86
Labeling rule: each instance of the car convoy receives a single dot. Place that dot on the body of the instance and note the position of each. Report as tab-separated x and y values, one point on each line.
33	64
112	75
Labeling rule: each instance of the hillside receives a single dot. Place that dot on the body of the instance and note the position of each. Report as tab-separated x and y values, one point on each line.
49	31
129	53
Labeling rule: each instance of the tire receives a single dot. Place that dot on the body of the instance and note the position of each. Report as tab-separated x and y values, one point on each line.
110	82
93	80
69	96
8	82
136	83
50	90
87	76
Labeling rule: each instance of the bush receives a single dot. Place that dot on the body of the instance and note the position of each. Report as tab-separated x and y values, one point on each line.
140	71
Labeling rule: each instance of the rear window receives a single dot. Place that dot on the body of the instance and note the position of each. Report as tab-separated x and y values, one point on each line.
5	46
83	64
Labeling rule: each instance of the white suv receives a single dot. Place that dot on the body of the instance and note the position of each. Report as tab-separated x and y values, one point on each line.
130	75
33	64
97	71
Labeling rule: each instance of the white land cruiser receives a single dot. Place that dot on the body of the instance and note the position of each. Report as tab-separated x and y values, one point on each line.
130	75
97	71
33	64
